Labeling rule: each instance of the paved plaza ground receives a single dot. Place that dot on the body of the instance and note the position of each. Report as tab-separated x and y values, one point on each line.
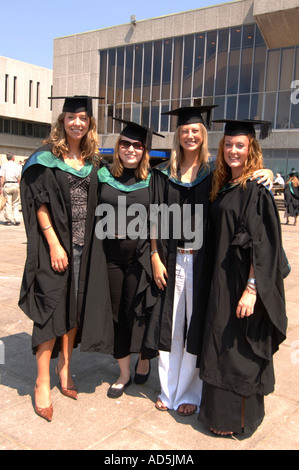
131	423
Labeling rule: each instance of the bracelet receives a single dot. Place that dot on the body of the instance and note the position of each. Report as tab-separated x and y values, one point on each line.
46	228
252	286
251	280
250	290
153	252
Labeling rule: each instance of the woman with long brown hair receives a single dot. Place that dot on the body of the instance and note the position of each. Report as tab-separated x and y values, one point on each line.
59	195
246	318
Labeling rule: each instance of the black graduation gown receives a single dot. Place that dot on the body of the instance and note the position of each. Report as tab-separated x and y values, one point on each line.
159	337
237	354
291	199
100	326
47	297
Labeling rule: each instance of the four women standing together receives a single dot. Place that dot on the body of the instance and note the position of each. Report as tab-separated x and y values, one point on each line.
166	307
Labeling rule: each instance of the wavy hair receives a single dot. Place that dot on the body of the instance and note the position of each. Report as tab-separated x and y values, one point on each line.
89	144
222	174
142	170
177	152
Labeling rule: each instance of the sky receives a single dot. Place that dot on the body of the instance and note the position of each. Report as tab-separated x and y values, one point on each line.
28	28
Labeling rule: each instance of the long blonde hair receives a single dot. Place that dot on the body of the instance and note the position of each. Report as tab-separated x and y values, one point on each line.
222	174
177	153
142	170
89	144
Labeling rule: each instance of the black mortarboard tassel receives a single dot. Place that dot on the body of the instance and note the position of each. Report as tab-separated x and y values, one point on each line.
77	103
135	131
192	115
245	127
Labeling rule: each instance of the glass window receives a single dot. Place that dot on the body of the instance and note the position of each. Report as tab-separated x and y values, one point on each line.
259	68
110	122
118	114
286	69
157	70
243	106
283	110
294	116
101	119
256	109
137	73
155	114
166	72
234	61
188	66
103	71
292	161
231	107
210	63
164	120
145	114
136	110
147	71
198	64
119	75
111	76
218	112
128	74
246	59
270	107
1	125
222	62
177	68
14	127
272	70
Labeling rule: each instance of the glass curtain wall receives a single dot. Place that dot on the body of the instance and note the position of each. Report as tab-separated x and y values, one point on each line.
230	67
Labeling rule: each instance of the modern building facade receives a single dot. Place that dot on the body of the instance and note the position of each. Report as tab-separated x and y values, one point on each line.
242	56
25	110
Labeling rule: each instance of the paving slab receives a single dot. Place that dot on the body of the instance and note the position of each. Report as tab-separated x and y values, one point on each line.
131	423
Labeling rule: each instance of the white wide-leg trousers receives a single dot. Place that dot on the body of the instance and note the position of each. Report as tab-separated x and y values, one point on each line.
179	377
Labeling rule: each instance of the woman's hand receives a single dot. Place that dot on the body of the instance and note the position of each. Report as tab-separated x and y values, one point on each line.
266	177
246	305
159	271
59	259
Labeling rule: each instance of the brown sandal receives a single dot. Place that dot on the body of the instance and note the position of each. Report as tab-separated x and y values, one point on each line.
160	405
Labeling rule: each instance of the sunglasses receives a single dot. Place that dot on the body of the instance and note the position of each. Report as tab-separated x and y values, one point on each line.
125	144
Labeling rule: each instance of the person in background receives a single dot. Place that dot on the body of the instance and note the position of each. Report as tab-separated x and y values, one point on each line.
10	174
291	197
59	196
246	318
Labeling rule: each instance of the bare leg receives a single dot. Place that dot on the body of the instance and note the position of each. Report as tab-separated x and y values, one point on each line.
43	358
63	369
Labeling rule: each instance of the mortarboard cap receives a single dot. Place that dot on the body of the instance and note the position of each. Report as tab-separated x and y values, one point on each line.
192	114
77	103
135	131
245	127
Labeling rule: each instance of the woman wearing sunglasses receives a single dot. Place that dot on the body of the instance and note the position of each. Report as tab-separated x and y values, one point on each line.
124	188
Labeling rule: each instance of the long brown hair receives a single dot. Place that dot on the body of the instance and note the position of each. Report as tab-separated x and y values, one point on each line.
142	170
89	144
177	153
222	174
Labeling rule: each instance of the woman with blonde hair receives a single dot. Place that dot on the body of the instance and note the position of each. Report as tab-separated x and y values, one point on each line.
59	196
182	186
246	318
